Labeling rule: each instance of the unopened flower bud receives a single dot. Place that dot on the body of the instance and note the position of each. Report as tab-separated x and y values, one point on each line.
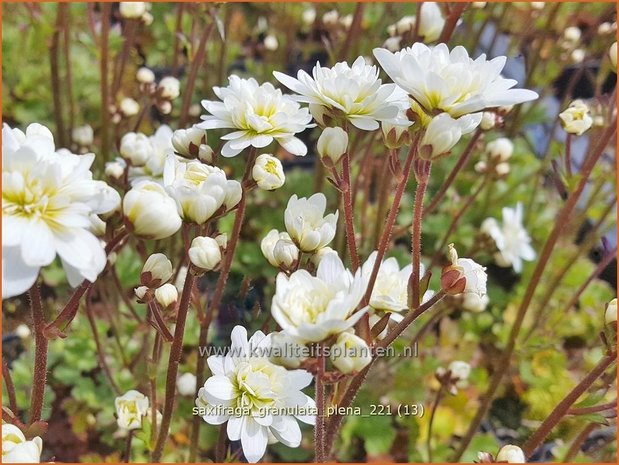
271	43
129	107
501	149
164	107
156	270
481	166
166	295
170	87
150	211
145	76
222	240
443	132
205	154
83	135
350	353
278	249
572	34
309	16
186	384
140	292
332	144
463	275
395	135
205	253
115	169
268	172
578	55
502	169
330	18
286	351
488	120
511	454
132	10
22	331
610	316
136	147
612	54
187	142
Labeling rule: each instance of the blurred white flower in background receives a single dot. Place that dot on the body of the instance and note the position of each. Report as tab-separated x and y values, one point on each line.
250	392
576	119
186	384
511	238
132	10
15	447
352	92
451	81
312	308
157	147
511	454
307	224
612	54
259	114
48	197
610	315
83	135
130	409
350	353
431	21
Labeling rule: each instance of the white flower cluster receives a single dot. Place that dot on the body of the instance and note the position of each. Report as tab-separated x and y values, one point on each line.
156	273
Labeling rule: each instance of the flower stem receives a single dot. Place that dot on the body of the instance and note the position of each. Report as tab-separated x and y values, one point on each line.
105	97
354	386
40	355
560	224
129	31
464	158
422	173
437	399
127	455
393	213
54	55
348	213
10	387
452	21
173	362
100	352
219	292
193	73
563	407
319	430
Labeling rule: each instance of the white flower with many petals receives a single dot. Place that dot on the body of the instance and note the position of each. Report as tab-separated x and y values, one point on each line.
451	81
130	409
199	190
511	239
15	447
350	353
353	92
390	291
312	308
307	224
463	276
576	119
278	249
159	149
260	401
48	198
259	114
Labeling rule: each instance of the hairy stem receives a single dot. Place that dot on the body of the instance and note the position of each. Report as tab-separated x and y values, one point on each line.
563	407
40	355
173	362
319	430
422	173
348	213
10	387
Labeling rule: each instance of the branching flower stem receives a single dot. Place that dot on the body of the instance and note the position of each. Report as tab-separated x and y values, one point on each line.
560	224
563	407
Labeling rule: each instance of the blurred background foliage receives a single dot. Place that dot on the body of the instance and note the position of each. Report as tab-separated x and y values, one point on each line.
558	344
